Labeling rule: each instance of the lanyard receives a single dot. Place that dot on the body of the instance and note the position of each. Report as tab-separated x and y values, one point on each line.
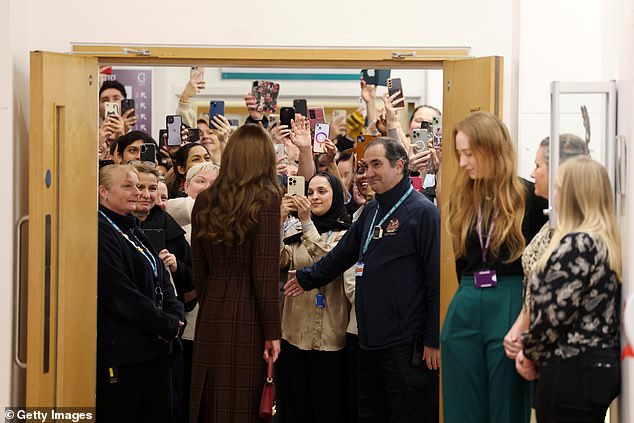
369	237
485	247
149	257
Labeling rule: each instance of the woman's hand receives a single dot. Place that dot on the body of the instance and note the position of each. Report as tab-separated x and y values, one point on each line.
271	350
302	204
286	207
300	136
419	162
331	151
526	368
282	163
169	260
393	109
255	111
129	120
221	125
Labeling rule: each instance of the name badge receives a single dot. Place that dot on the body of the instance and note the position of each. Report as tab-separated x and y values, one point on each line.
358	269
320	301
485	278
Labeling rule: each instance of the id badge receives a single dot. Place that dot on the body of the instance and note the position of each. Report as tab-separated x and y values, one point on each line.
358	269
485	278
320	301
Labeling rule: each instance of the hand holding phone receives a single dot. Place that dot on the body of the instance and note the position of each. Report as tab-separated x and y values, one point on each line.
296	185
112	109
148	152
216	107
286	115
394	86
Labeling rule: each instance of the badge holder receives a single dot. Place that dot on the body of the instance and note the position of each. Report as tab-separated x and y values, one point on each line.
485	278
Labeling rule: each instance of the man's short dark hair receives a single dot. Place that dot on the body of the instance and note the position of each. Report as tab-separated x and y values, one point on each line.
130	137
113	84
394	151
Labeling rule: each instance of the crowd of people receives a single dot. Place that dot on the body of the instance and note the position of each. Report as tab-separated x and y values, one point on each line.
211	267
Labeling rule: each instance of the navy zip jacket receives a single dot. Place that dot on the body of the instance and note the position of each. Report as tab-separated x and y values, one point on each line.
129	322
397	298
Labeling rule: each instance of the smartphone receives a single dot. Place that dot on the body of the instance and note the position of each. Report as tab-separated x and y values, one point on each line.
273	119
436	125
197	73
270	101
112	109
376	76
286	114
279	150
162	137
156	238
259	89
193	135
173	124
362	142
315	116
420	138
216	107
148	152
127	104
301	107
234	123
394	85
338	114
322	131
296	185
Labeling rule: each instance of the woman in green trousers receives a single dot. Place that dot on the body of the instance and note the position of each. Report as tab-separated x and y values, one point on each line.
491	214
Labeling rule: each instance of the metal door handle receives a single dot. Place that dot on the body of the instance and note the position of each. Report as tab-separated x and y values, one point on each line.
17	284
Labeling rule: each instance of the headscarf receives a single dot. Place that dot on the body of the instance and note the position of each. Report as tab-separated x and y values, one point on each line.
336	218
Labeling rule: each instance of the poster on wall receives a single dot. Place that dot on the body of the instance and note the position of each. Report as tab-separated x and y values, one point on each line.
138	86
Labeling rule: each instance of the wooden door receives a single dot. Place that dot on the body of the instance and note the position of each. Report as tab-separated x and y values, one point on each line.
468	85
62	279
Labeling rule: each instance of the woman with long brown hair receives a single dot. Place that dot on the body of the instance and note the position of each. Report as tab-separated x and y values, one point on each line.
491	214
235	257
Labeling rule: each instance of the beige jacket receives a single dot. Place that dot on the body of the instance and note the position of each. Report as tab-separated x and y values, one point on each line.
305	325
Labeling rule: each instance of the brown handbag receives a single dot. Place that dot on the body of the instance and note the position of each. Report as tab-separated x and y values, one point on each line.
267	402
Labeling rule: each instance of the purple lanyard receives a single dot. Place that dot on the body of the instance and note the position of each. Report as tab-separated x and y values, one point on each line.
483	246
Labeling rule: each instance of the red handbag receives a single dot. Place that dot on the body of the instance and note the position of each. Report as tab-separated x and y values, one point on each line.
267	402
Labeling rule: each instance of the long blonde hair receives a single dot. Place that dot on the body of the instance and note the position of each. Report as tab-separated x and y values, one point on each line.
499	193
585	203
247	180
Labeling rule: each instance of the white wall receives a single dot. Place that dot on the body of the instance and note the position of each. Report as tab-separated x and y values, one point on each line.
52	26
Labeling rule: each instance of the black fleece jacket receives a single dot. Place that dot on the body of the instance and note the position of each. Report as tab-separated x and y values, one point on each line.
129	321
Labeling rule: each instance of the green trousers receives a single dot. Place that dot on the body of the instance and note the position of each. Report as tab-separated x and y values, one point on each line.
479	382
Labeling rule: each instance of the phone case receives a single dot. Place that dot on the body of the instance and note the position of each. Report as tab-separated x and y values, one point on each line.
394	85
193	135
197	73
216	107
156	238
315	116
436	125
148	152
112	109
286	114
339	113
270	99
127	104
362	142
259	90
376	76
173	124
295	185
301	106
279	150
322	131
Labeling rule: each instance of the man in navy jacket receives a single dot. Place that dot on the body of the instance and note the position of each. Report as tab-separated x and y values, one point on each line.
395	248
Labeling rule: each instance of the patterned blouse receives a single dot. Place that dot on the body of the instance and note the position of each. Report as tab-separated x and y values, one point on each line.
575	302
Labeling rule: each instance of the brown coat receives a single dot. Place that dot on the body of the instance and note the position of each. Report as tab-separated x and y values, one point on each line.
238	292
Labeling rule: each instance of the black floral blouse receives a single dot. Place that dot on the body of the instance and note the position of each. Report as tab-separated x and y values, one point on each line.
575	302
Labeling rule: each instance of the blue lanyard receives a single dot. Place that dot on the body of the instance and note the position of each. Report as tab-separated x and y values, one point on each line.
369	237
149	257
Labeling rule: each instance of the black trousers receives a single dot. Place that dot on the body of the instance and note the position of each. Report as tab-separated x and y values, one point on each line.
352	362
391	390
142	394
578	389
310	386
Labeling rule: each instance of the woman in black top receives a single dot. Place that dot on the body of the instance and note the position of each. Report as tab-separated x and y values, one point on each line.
138	315
572	345
491	214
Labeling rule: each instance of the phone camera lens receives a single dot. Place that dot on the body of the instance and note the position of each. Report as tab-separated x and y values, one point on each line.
170	120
